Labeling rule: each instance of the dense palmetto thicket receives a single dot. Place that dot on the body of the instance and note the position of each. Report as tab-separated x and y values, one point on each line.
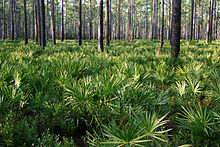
59	89
125	96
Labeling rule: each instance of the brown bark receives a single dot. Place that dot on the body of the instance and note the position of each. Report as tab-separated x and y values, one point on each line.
209	22
152	20
107	23
176	29
100	26
53	27
146	23
25	24
39	22
119	19
80	23
3	19
36	20
33	20
62	22
129	21
162	23
192	11
198	35
90	20
43	25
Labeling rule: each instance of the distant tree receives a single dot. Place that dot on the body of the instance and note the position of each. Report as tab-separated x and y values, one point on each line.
162	23
62	22
129	21
39	22
12	18
90	20
3	20
176	29
168	21
209	22
152	20
80	23
100	26
36	20
43	25
107	23
146	27
33	20
199	23
25	24
192	10
53	27
119	19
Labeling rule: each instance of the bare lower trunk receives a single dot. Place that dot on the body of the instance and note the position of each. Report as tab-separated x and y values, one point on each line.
80	23
107	23
25	24
100	26
53	23
162	23
176	29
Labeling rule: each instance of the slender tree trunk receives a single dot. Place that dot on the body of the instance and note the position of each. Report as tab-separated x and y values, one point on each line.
192	10
80	22
25	24
152	20
53	27
3	18
168	21
162	23
36	20
185	22
65	24
62	23
176	29
146	25
198	35
107	23
47	22
90	20
84	23
119	19
209	22
58	28
216	22
129	21
43	31
194	21
39	23
12	18
110	20
33	20
100	26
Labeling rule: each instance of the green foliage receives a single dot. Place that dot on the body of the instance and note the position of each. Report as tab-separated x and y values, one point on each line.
68	93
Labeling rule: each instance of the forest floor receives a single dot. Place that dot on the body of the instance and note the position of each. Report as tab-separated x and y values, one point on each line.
68	95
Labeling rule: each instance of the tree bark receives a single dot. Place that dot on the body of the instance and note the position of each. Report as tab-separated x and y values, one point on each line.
36	20
119	19
162	23
168	21
33	20
198	35
53	27
110	19
25	24
80	23
107	23
43	31
39	23
58	28
12	18
62	23
194	21
152	20
100	26
216	22
3	19
90	20
209	22
146	25
47	22
176	29
192	10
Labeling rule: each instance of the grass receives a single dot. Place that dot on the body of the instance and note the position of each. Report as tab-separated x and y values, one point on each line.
68	93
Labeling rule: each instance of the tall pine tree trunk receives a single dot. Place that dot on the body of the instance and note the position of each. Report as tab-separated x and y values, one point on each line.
107	23
192	10
12	18
216	21
146	25
209	22
53	27
3	19
62	22
198	35
90	20
36	20
152	20
80	23
43	25
129	21
39	22
119	19
100	26
168	21
176	29
162	23
25	24
33	20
